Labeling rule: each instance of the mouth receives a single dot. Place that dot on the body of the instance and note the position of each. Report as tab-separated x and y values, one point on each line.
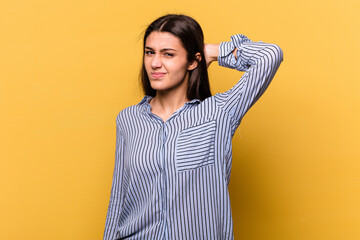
157	75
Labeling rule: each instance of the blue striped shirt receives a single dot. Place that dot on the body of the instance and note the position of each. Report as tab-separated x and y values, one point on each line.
171	178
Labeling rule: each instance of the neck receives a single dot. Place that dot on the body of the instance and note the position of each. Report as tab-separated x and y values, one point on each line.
170	100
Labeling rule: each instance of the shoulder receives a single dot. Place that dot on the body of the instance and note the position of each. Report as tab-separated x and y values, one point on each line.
128	113
133	111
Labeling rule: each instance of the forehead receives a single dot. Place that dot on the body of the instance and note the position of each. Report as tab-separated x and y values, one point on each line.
160	40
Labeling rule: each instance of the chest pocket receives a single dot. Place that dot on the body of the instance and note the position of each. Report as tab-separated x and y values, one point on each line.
195	146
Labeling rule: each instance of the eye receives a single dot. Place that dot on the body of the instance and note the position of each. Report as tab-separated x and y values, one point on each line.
169	54
148	52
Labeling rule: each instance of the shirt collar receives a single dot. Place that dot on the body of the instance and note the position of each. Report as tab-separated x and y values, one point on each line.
193	101
146	98
146	105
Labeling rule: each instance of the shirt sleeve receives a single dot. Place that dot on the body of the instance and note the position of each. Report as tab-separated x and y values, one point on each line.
260	62
113	212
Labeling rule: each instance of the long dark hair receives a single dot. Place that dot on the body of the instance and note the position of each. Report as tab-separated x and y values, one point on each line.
192	38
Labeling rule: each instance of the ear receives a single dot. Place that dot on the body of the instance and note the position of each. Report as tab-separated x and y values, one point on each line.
195	62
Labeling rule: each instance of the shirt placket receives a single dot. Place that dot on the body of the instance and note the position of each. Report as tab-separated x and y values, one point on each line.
163	135
162	166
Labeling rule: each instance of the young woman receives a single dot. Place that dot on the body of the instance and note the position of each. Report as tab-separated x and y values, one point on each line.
173	149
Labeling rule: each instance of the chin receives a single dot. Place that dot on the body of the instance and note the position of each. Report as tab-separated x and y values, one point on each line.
158	87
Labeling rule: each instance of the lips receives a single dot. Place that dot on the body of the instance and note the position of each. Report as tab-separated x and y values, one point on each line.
157	75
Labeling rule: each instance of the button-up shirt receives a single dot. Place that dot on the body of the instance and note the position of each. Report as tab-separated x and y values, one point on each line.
171	178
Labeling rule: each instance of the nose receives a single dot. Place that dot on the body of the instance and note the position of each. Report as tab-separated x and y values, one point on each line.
156	61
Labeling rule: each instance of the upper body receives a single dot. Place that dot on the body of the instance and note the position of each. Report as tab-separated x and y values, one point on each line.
174	154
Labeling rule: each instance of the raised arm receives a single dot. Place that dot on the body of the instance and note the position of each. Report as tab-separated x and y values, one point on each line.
113	213
260	61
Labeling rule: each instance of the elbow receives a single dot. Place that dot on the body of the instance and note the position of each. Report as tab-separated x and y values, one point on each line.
273	55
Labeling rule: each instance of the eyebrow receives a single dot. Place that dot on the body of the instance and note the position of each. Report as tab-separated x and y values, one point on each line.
162	50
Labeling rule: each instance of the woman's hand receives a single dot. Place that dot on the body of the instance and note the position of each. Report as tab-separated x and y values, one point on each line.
211	52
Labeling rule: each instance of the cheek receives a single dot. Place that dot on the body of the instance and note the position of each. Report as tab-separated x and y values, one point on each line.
177	67
180	70
146	62
147	65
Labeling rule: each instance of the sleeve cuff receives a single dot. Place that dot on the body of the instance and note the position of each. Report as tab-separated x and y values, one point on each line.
227	59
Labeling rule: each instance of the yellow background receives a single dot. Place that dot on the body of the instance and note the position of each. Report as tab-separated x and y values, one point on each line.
68	68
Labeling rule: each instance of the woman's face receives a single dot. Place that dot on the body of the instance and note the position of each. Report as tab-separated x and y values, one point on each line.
166	62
